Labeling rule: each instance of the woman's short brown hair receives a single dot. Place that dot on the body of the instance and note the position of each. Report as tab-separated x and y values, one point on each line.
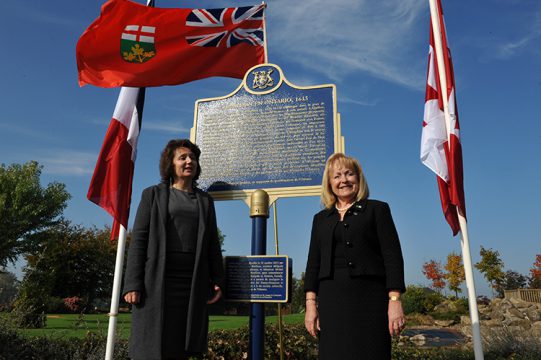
328	199
167	171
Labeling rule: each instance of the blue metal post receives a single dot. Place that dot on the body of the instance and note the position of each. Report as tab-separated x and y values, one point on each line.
259	213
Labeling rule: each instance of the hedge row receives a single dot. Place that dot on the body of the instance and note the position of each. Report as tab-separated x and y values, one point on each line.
223	345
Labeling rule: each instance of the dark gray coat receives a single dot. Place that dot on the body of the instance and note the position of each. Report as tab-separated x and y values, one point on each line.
146	269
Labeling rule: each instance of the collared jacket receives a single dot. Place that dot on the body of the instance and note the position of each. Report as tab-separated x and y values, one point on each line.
371	245
145	272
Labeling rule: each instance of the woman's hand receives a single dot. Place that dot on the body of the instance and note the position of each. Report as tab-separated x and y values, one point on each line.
311	318
217	295
396	317
132	297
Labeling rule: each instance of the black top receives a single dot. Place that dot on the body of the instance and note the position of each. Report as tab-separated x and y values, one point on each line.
183	221
339	258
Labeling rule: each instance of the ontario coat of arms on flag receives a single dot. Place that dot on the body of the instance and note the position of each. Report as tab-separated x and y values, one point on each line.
137	43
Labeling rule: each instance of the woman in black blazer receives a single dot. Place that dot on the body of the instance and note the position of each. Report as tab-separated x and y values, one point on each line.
355	270
174	266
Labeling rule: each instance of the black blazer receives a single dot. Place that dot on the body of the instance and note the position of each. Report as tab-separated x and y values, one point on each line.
371	245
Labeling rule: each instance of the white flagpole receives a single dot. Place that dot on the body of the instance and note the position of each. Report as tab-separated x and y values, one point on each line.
265	35
117	280
466	255
113	312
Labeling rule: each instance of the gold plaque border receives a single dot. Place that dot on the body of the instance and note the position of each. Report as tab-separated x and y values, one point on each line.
274	193
287	279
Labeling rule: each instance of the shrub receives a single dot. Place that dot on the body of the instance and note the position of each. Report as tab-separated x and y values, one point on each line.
73	304
28	315
504	343
420	300
29	308
54	305
13	346
233	345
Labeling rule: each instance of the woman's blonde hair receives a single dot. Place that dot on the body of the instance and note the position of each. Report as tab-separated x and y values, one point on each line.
328	199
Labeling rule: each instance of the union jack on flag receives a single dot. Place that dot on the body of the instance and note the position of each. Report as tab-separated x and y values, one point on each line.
226	27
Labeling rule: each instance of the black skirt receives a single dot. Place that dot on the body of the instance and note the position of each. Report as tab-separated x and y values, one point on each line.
353	318
178	282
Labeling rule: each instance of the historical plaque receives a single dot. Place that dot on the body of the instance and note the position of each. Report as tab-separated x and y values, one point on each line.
268	134
262	278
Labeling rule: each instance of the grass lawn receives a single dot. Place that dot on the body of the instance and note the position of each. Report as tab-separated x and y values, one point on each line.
73	325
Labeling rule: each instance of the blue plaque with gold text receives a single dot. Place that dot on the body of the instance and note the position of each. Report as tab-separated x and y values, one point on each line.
268	134
262	278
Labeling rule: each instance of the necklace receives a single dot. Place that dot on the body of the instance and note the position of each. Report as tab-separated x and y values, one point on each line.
343	208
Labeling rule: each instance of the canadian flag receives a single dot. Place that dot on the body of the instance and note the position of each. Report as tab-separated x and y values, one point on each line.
111	184
441	150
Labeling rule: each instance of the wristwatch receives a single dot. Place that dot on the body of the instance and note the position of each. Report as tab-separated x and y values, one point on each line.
394	297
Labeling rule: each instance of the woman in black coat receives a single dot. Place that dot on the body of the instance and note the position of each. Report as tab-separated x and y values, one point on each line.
174	266
355	271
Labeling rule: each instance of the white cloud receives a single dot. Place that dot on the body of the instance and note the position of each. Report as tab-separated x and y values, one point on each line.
26	131
348	100
67	162
174	127
343	37
512	48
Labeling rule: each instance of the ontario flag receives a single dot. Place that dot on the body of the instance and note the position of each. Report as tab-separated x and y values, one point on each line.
111	184
440	151
131	44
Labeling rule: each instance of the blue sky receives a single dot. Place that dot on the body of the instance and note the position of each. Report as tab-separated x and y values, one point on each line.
375	52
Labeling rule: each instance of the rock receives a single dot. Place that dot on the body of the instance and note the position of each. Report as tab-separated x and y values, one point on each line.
444	323
496	301
418	337
445	306
533	314
515	312
465	320
514	301
536	329
484	316
523	324
496	315
492	323
522	304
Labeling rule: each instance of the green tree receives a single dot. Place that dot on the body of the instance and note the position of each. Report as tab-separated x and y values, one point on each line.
221	238
8	288
297	296
26	208
73	261
491	266
455	275
512	280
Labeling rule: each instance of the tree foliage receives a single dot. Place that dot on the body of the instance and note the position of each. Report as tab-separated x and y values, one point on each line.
434	272
491	266
512	280
455	275
297	296
26	207
420	300
535	273
8	288
221	238
73	261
